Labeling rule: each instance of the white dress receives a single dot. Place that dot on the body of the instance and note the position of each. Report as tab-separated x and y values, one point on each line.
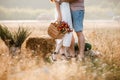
66	16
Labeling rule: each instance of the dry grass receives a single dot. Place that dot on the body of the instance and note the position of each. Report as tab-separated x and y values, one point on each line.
103	36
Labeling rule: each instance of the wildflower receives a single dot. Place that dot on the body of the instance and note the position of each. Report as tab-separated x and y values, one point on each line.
62	27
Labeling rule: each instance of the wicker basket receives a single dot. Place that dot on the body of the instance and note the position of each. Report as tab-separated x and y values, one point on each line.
54	33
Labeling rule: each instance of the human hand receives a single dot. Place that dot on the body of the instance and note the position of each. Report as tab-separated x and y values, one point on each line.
59	18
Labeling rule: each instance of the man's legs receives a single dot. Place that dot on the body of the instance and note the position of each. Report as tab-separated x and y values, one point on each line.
81	45
78	17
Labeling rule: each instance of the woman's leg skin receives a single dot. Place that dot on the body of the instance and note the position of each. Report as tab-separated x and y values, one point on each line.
59	44
57	49
71	48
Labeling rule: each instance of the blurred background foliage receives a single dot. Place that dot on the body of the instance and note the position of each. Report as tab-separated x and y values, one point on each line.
44	10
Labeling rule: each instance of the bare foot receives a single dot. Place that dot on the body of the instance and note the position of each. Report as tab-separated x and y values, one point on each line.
71	53
80	57
54	56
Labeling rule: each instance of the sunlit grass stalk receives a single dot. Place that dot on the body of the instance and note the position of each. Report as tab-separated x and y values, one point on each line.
14	40
6	36
20	36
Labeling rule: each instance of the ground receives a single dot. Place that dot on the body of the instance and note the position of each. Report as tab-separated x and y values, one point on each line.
104	37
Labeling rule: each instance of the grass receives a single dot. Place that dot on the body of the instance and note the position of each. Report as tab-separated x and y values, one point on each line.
6	36
20	36
13	40
104	39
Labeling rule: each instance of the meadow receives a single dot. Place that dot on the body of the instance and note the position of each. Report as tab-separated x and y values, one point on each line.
103	35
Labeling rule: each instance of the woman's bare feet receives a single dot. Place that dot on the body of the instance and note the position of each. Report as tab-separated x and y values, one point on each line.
54	56
71	53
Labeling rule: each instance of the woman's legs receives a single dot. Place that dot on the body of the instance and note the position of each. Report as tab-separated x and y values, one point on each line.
57	49
71	48
68	43
58	45
65	47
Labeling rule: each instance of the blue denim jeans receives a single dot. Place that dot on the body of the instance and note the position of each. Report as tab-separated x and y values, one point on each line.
77	19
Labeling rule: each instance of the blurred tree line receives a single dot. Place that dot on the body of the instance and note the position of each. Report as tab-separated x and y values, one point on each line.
95	9
102	9
25	14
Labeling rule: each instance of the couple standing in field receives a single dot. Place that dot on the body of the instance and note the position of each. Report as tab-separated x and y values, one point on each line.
73	14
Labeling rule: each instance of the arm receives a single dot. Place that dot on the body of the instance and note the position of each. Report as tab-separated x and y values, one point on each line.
58	11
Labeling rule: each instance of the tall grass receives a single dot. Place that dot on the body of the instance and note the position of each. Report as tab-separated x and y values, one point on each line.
6	36
104	40
13	40
20	36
